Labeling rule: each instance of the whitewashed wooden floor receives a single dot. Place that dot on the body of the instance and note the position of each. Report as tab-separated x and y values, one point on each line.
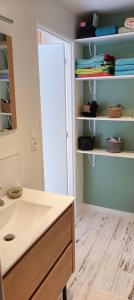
104	255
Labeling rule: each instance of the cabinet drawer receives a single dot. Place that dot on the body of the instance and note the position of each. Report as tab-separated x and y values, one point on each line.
32	268
57	278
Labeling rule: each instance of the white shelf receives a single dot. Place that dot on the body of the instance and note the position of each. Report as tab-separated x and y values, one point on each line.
101	152
103	118
106	77
5	114
121	37
4	79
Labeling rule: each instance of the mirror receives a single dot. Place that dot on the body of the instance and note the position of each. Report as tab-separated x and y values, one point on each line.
7	91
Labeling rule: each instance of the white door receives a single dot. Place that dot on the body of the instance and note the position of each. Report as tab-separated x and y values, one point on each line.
53	112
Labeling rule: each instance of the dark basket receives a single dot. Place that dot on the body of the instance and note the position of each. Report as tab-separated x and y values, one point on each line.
86	143
114	147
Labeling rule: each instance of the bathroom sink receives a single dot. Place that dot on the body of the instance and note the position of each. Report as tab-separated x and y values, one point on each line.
21	216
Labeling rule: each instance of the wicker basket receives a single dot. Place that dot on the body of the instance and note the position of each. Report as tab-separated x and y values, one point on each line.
114	145
5	107
114	112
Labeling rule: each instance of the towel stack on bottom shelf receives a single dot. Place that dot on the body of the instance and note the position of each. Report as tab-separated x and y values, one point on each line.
124	66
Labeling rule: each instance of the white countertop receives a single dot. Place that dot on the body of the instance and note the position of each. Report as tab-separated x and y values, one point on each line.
11	251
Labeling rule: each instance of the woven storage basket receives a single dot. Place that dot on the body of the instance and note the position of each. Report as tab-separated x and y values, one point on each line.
114	112
114	146
5	107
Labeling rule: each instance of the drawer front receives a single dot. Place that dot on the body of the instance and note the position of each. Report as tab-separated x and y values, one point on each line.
28	273
57	278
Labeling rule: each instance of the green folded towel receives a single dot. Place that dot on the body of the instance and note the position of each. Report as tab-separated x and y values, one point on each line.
125	30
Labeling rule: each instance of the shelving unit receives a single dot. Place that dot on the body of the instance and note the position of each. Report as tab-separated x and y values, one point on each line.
79	120
126	37
7	92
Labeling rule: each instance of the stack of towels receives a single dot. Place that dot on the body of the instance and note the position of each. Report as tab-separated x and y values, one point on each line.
128	26
109	30
124	66
4	74
100	65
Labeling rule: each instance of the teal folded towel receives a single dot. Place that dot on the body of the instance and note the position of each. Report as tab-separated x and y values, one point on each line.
124	61
95	61
124	68
121	73
106	30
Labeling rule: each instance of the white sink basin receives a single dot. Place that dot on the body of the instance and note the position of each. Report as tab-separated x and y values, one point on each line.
26	220
21	216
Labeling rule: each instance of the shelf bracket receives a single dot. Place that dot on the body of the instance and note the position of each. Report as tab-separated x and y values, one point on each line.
91	158
91	89
92	127
90	49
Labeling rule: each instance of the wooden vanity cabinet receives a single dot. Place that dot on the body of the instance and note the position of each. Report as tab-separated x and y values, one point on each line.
45	269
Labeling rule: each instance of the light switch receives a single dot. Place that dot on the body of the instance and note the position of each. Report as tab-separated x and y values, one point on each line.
33	141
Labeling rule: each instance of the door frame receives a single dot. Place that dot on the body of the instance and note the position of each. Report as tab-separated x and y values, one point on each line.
69	115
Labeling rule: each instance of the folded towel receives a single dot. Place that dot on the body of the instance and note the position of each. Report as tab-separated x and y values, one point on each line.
101	74
94	62
106	68
124	61
124	68
120	73
125	30
106	30
129	23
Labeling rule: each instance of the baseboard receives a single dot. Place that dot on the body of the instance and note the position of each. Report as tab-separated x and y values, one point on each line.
107	210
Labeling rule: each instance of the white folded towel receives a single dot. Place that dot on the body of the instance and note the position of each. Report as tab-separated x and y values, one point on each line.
129	23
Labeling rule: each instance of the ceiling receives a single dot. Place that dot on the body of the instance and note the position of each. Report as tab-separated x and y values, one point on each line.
82	6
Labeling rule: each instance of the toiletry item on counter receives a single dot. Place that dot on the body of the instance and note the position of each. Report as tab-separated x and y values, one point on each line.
101	31
114	144
87	26
114	111
15	192
90	109
86	143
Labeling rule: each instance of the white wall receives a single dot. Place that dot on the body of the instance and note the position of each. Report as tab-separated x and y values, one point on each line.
25	15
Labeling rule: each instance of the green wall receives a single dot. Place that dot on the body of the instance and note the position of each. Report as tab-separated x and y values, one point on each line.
111	182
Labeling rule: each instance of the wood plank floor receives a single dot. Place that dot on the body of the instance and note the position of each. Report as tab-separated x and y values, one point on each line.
104	256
